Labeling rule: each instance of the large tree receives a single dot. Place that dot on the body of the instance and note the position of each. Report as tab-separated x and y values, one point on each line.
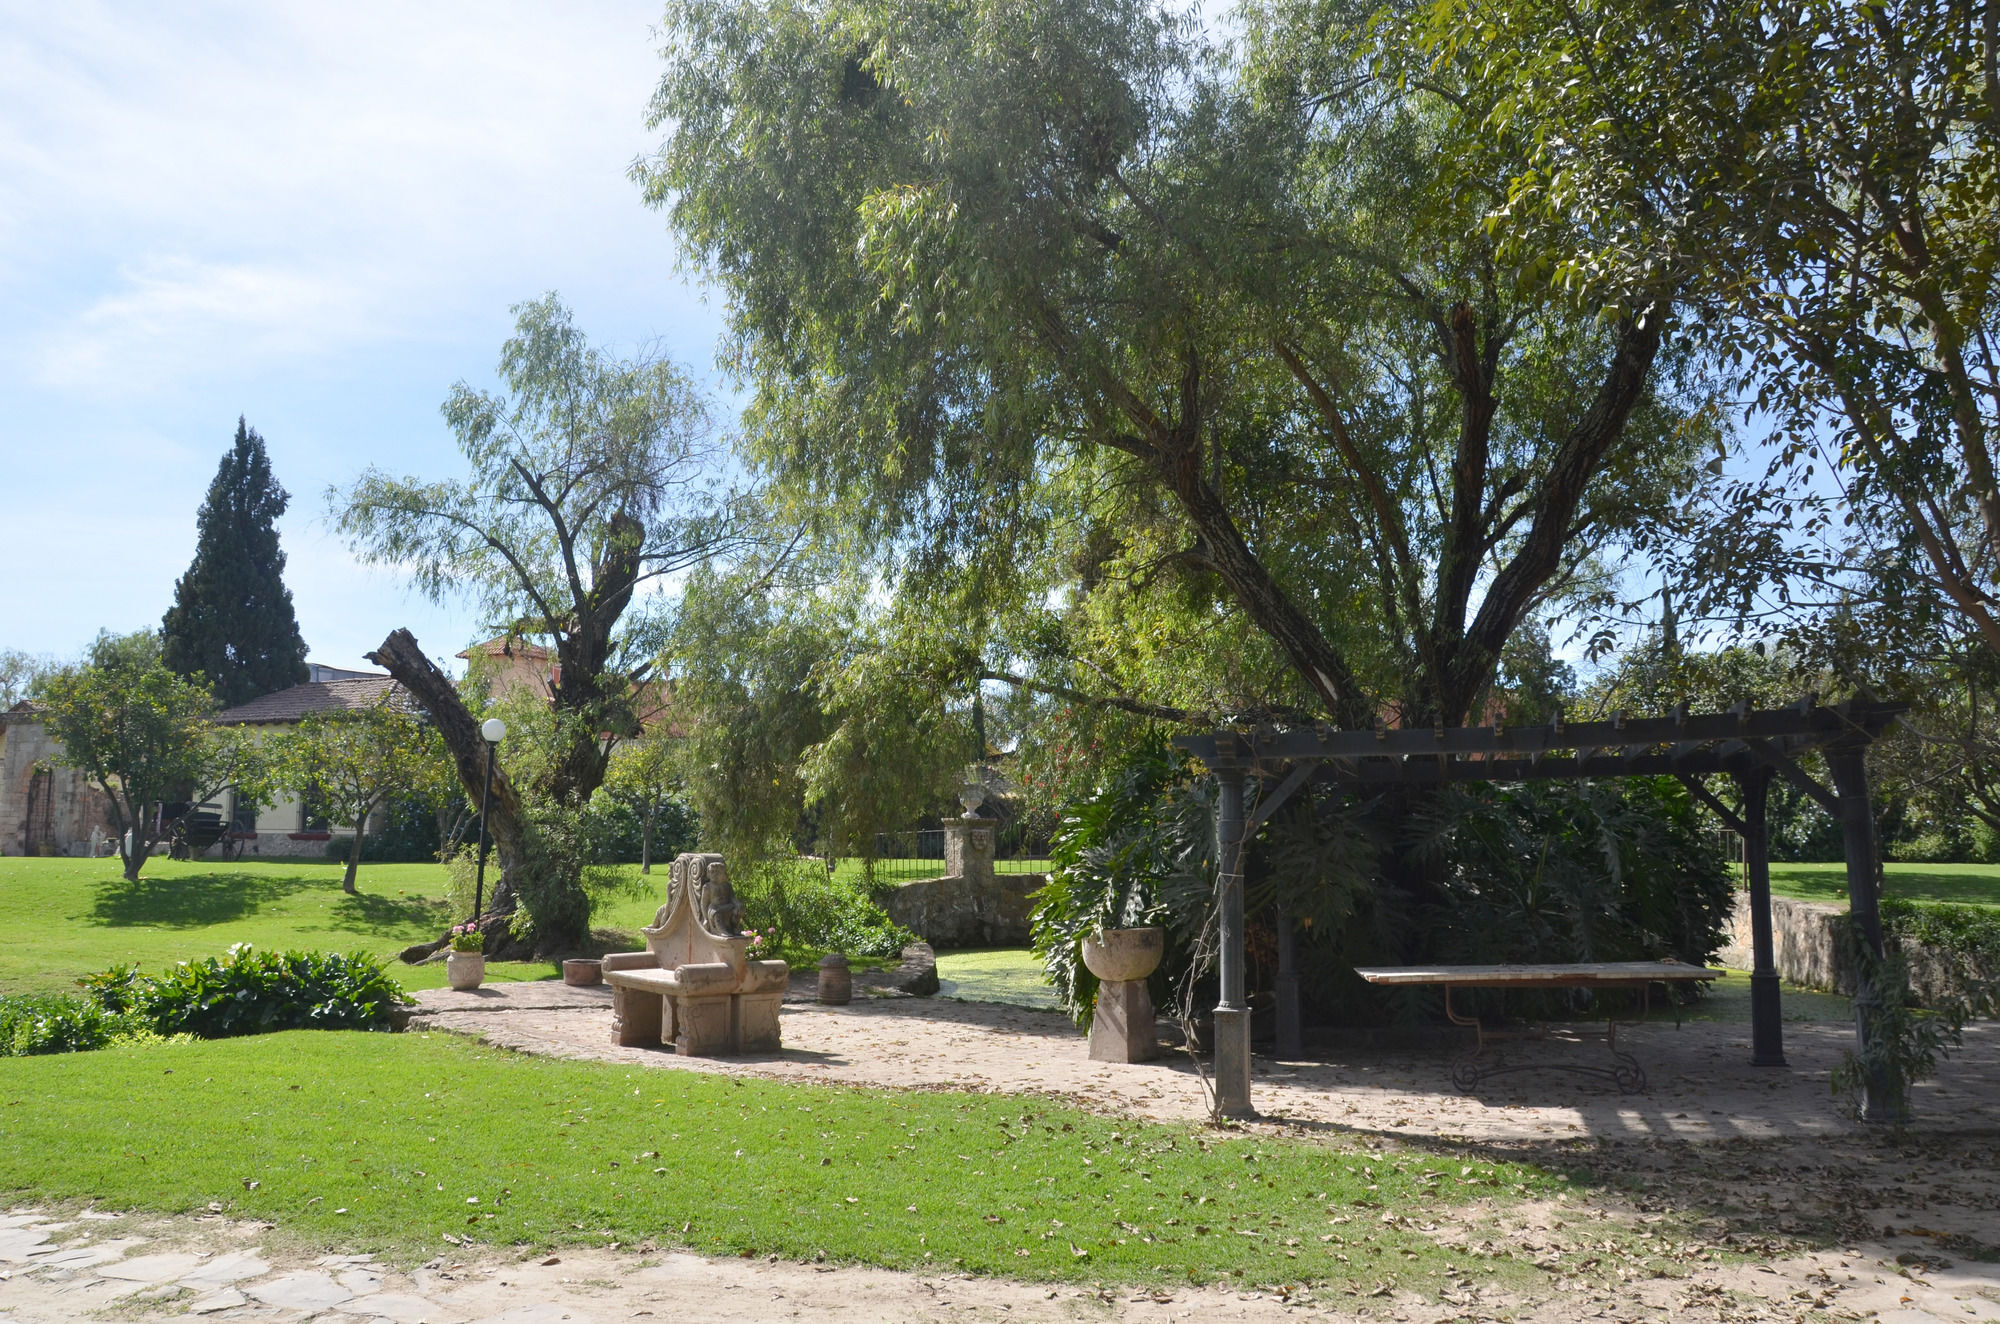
232	622
587	483
1825	181
1061	311
142	735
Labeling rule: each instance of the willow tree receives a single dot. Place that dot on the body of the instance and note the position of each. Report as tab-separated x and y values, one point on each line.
588	483
1059	307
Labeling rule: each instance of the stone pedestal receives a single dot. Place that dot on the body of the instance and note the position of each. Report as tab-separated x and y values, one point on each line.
1123	1029
968	848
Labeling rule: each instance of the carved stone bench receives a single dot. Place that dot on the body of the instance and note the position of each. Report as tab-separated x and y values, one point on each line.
694	987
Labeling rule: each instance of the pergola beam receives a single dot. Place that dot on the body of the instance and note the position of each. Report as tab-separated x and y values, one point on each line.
1746	743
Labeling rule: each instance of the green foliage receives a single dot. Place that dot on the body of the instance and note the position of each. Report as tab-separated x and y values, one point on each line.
1558	871
115	989
231	625
586	483
257	992
19	671
639	814
805	912
142	734
1120	859
1964	931
352	762
35	1023
1901	1041
810	727
1080	337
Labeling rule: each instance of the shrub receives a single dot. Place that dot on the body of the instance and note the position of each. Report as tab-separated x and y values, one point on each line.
803	912
252	992
55	1023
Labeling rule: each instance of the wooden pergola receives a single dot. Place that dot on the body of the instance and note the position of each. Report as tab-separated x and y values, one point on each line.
1750	745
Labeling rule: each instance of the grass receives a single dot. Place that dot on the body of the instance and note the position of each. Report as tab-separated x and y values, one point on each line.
995	974
1963	884
63	918
389	1142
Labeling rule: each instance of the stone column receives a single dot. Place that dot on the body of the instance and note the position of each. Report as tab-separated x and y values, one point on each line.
968	849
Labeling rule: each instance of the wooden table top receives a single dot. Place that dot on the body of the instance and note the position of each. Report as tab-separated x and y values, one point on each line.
1550	976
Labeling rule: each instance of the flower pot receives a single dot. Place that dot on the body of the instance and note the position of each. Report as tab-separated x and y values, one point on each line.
465	971
1119	954
580	971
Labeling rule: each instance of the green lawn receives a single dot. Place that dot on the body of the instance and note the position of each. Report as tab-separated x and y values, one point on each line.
1964	884
388	1142
62	918
995	974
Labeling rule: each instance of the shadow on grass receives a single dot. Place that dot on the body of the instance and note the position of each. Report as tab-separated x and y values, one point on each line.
388	916
192	902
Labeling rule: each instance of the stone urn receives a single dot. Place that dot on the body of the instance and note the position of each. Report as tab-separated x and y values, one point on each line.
465	971
580	972
1122	1029
1120	955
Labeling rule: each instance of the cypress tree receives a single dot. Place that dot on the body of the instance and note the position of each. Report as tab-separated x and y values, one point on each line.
232	620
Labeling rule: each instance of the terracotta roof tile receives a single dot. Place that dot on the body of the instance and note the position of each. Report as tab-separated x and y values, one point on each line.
312	697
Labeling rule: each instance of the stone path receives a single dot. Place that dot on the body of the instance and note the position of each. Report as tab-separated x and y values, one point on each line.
97	1265
1702	1086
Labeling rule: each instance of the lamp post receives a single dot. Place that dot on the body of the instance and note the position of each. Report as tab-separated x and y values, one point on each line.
494	730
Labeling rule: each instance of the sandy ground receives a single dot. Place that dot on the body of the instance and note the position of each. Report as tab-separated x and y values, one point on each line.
1701	1084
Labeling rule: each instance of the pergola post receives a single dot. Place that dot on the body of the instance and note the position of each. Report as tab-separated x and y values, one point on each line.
1232	1010
1880	1102
1767	1021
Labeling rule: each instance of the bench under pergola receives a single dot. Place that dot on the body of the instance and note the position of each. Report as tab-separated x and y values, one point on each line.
1750	745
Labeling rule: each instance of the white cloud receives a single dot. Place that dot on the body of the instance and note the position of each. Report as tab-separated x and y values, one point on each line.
174	314
315	215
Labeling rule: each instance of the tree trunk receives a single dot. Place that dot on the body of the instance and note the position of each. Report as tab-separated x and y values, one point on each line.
400	656
646	840
354	857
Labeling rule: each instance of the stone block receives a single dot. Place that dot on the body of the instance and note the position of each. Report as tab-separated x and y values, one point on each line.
635	1016
1123	1028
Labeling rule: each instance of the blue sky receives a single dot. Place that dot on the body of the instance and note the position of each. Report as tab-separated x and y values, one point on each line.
316	216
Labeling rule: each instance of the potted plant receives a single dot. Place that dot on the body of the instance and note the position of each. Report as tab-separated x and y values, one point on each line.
465	967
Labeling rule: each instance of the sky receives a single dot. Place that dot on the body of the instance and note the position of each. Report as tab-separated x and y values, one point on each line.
313	216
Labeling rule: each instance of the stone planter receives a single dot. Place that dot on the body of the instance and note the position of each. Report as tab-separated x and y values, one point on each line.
1123	1029
581	971
465	971
1124	954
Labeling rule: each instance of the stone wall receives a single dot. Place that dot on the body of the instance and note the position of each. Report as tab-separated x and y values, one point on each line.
65	807
967	912
1806	950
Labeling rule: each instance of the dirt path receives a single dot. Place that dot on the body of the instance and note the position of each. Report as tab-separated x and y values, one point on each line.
1702	1086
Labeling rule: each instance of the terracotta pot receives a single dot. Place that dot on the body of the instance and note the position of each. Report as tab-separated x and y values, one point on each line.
1114	954
465	971
580	970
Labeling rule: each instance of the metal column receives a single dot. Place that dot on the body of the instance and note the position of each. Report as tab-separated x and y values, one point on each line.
1232	1011
1767	1022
